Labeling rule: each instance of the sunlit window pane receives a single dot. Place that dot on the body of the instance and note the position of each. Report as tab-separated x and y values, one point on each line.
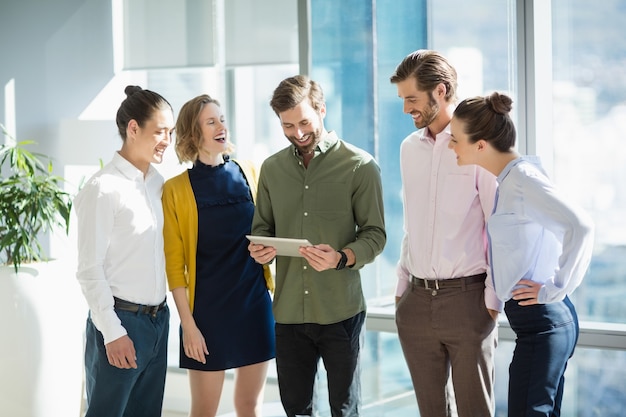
589	72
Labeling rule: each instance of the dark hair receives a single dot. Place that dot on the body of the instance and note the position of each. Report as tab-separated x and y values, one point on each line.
139	105
188	131
488	118
430	69
293	91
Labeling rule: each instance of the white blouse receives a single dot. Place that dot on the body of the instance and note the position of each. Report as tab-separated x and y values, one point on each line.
535	234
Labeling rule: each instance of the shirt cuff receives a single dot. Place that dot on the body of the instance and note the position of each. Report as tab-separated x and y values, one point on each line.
109	324
492	301
403	281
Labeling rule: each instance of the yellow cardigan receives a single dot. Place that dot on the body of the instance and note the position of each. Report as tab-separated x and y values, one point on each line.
180	230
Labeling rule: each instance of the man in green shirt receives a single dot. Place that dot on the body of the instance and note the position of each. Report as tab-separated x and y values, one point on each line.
329	192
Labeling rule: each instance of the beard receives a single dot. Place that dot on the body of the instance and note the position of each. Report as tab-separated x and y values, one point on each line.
428	114
315	136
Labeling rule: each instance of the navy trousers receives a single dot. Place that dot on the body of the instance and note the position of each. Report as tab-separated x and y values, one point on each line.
546	337
114	392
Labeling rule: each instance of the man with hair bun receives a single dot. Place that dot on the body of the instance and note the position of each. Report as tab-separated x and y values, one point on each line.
446	307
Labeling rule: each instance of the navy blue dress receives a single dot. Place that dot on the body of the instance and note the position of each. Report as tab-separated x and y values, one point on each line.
232	306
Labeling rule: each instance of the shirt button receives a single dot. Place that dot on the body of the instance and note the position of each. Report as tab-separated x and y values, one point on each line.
306	292
306	187
306	214
304	267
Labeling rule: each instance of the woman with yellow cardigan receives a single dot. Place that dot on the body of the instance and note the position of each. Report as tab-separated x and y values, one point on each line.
221	293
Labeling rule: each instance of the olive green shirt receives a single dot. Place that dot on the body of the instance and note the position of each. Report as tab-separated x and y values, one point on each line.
337	200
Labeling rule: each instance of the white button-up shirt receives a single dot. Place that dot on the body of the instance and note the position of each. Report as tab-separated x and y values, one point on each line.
445	212
120	241
535	234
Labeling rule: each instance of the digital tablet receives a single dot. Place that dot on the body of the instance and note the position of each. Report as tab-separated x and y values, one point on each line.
284	246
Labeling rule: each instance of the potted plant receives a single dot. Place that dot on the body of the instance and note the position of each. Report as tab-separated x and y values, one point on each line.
41	306
32	202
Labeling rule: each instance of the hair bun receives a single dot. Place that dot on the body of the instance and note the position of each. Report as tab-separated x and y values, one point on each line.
132	89
499	103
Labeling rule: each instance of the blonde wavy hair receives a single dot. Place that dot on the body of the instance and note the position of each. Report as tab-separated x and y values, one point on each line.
188	132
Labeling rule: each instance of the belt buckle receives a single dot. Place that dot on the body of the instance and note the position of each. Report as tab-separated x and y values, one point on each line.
426	281
434	290
150	310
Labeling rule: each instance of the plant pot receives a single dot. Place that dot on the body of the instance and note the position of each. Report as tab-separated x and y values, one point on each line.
43	316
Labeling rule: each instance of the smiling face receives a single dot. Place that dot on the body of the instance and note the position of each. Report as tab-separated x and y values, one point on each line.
149	142
213	127
466	152
421	105
303	126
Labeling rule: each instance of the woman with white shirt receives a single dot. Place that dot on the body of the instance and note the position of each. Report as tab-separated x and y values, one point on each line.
540	247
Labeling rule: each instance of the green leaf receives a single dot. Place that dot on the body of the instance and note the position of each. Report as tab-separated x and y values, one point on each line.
31	202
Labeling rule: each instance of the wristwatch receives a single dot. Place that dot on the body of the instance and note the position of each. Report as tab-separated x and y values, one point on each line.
343	261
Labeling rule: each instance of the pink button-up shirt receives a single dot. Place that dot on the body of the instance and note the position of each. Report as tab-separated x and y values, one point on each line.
446	207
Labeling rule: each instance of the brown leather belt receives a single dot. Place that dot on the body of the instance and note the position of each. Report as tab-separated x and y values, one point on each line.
138	308
436	284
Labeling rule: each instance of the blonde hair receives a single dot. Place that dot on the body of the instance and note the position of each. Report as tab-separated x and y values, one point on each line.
188	131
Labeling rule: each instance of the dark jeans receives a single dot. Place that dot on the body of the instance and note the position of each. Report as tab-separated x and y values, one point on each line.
299	348
114	392
546	337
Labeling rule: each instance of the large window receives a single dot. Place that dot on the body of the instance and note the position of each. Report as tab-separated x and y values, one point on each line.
481	39
589	88
589	99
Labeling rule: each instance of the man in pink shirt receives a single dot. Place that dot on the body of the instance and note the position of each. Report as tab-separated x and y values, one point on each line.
446	307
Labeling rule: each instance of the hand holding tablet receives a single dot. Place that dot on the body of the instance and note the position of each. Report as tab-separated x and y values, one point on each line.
284	246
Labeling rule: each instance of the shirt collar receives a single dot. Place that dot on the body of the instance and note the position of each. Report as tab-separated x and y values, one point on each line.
129	170
328	141
532	159
444	134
